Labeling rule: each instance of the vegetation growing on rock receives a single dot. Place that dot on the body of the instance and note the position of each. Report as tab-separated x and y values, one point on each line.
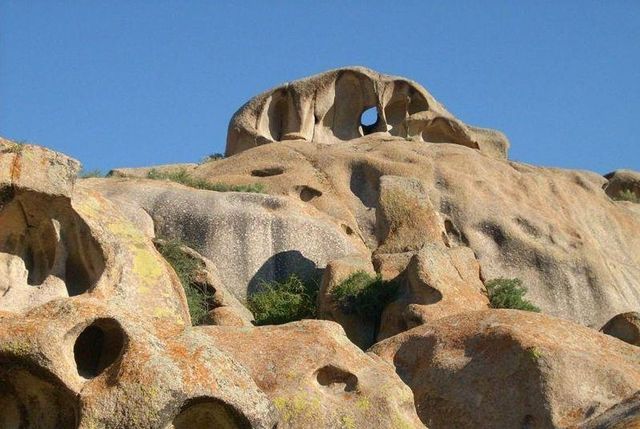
628	195
285	301
198	296
509	293
364	295
183	177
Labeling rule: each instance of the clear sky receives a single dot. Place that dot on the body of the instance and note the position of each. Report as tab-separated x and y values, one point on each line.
133	83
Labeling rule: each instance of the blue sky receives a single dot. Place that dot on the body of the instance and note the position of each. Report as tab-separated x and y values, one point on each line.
133	83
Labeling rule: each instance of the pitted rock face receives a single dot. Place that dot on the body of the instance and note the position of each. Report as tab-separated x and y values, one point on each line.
329	107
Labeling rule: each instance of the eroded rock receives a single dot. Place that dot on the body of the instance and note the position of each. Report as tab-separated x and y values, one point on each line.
511	369
327	108
317	378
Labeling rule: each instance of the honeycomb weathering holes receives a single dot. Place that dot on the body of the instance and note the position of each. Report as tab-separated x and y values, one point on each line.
52	241
98	346
336	378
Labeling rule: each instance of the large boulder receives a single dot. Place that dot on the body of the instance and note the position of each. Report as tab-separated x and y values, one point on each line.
511	369
250	238
438	282
317	378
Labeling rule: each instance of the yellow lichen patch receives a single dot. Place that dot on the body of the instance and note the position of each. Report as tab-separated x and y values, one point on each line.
298	407
348	422
363	403
146	266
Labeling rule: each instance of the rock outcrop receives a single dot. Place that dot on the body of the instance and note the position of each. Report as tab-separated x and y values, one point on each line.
327	108
95	325
511	369
317	378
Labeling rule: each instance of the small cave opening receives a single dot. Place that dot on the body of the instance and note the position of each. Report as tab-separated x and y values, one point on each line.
336	379
98	346
201	413
369	120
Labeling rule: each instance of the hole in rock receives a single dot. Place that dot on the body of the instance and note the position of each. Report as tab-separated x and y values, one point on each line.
347	229
308	193
98	346
267	172
337	379
51	240
369	120
204	413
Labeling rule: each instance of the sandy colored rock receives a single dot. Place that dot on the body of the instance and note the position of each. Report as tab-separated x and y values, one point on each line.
358	331
76	363
438	282
35	169
625	327
624	415
327	108
405	218
225	309
511	369
248	237
574	249
317	378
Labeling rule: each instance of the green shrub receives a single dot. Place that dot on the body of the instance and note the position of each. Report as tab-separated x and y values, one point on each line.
182	176
198	296
279	302
212	157
508	293
627	195
364	295
85	174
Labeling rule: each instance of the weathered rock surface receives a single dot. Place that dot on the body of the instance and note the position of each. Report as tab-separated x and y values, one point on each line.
511	369
248	237
625	327
224	308
327	108
74	363
439	282
624	415
317	378
574	248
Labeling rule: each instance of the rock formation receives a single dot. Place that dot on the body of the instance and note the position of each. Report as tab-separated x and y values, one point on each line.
95	325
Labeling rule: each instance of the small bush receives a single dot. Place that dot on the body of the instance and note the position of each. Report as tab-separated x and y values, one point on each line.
86	174
212	157
627	195
183	177
15	146
508	293
364	295
283	302
186	267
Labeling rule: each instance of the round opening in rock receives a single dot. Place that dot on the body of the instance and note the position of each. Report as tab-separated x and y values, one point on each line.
98	346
